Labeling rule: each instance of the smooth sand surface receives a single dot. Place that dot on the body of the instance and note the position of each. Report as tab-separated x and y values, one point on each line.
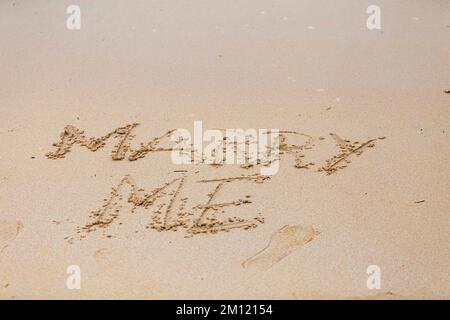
306	66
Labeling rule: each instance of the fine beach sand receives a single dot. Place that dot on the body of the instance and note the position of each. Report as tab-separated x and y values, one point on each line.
364	182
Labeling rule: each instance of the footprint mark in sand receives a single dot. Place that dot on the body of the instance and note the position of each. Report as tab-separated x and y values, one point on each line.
9	229
282	243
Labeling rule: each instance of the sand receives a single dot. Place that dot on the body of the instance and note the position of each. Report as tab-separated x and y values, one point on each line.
86	176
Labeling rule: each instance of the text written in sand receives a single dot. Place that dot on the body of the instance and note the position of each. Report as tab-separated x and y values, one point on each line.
168	207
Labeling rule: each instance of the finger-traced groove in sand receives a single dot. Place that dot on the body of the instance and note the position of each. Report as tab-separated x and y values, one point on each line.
172	212
282	243
71	136
347	149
